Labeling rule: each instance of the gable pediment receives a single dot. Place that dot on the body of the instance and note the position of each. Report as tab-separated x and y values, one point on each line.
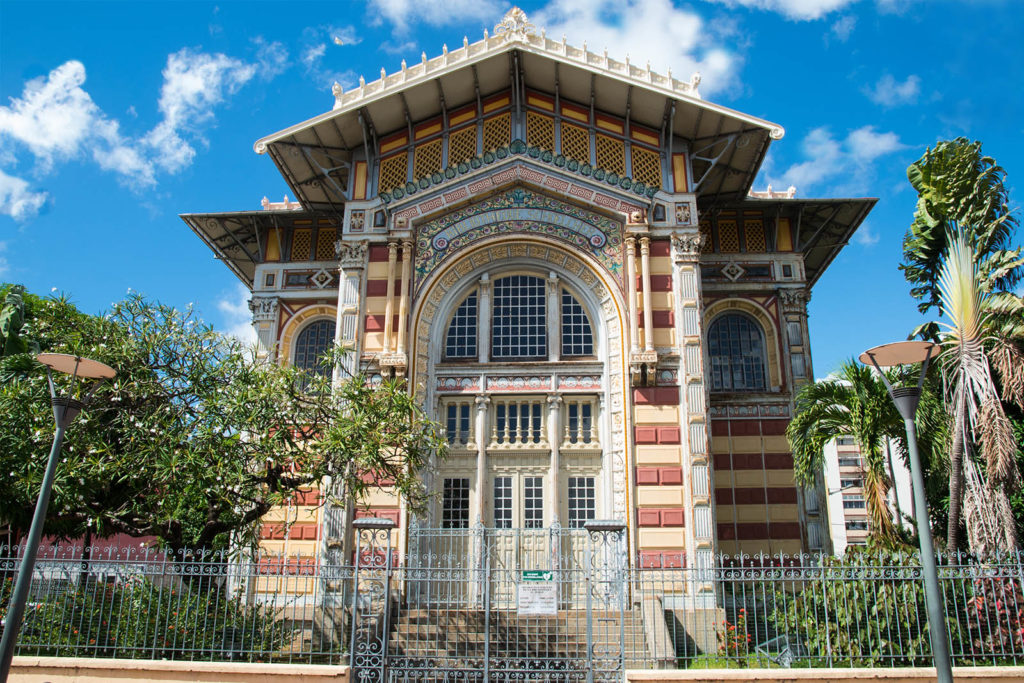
523	210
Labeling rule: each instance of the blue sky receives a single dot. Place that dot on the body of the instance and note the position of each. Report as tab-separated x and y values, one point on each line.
115	117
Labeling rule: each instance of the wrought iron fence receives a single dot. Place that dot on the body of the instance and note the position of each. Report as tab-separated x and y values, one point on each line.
410	617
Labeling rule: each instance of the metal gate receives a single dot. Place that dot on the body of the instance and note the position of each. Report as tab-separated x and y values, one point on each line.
452	611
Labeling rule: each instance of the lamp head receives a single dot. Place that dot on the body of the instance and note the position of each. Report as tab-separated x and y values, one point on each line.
900	353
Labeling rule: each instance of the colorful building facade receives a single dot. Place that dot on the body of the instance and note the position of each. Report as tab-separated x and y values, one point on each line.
561	253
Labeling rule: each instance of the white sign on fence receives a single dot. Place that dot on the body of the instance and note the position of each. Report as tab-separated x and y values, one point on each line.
538	594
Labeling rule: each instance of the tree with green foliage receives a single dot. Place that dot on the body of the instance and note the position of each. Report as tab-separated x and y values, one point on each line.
854	402
195	439
962	193
958	187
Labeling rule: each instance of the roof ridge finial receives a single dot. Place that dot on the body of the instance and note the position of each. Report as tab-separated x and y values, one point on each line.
515	21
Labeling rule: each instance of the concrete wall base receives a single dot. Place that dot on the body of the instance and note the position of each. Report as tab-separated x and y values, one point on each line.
81	670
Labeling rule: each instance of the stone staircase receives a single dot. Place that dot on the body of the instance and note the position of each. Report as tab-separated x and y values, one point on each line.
460	639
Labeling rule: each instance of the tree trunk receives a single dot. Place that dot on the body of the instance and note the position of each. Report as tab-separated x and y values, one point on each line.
956	480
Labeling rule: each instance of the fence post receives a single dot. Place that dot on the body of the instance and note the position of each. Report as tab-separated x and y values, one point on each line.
371	599
605	558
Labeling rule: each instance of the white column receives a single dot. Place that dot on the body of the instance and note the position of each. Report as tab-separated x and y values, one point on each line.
554	317
645	274
555	438
403	303
389	309
483	324
634	345
481	456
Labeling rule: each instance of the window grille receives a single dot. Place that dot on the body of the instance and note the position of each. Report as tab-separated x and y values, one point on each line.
302	243
728	237
540	131
849	462
582	501
458	424
736	348
533	502
460	342
753	235
580	426
705	231
611	154
393	171
503	502
497	132
646	165
461	145
518	422
846	441
577	336
325	244
455	504
851	483
857	525
519	328
576	143
311	345
427	159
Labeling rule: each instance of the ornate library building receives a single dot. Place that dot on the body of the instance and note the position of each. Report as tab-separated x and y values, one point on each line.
562	254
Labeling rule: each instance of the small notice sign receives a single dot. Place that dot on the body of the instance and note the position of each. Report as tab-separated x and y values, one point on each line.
538	594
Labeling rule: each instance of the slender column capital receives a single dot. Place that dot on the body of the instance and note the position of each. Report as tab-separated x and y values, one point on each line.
645	245
554	401
687	247
264	308
351	254
482	402
630	245
392	250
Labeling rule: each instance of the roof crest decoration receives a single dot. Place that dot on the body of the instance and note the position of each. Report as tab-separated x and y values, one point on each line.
513	28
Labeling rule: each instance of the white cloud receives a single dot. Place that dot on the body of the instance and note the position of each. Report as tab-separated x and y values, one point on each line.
317	40
793	9
16	200
848	163
402	13
843	27
271	58
889	92
866	236
236	316
194	82
55	119
652	31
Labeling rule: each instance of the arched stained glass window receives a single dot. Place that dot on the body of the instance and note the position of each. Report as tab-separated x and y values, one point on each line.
519	328
577	337
460	342
311	345
737	352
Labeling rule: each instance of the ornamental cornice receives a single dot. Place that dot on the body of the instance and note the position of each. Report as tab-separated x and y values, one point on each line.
264	308
567	168
794	300
687	247
351	254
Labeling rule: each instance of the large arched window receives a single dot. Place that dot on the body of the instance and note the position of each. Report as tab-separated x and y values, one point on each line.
312	343
518	324
737	353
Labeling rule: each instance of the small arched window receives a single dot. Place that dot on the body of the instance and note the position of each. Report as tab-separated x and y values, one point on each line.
312	343
737	352
460	342
577	337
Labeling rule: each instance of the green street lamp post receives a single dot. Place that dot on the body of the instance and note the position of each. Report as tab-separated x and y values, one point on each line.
65	409
906	399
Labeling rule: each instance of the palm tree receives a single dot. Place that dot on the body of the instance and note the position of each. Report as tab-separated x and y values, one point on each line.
981	323
853	403
958	186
